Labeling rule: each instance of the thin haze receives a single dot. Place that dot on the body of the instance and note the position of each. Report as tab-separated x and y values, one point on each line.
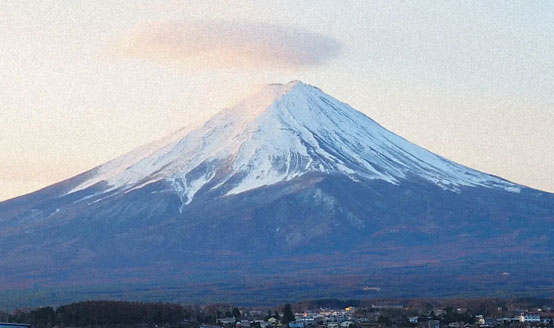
83	82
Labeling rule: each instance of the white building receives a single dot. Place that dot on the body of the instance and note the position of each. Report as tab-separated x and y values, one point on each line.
529	317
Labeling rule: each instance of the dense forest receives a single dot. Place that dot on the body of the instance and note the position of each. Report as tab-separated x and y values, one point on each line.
114	313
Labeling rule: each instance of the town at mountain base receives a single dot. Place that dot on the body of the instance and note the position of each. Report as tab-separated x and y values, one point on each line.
320	313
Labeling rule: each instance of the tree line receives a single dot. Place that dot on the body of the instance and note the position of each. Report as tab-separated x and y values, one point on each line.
105	313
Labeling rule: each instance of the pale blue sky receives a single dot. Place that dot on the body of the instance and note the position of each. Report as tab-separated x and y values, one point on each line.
83	82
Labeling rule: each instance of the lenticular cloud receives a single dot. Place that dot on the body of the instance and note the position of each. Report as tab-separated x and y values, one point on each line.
216	44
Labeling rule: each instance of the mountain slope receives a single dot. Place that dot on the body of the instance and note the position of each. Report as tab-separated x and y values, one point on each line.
290	184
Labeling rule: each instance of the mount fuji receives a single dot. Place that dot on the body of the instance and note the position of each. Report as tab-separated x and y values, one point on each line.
289	194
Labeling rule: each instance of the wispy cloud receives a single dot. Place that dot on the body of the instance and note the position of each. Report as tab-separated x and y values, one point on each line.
224	44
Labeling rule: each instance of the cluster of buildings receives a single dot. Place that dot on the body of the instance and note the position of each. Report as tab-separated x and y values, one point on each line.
317	319
325	318
524	319
394	316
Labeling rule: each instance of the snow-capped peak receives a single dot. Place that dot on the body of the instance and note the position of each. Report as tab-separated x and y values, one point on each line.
282	132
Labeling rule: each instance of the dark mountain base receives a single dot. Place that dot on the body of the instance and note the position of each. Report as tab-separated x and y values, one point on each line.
413	282
315	236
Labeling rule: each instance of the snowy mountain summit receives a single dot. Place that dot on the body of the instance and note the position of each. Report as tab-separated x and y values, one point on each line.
282	132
